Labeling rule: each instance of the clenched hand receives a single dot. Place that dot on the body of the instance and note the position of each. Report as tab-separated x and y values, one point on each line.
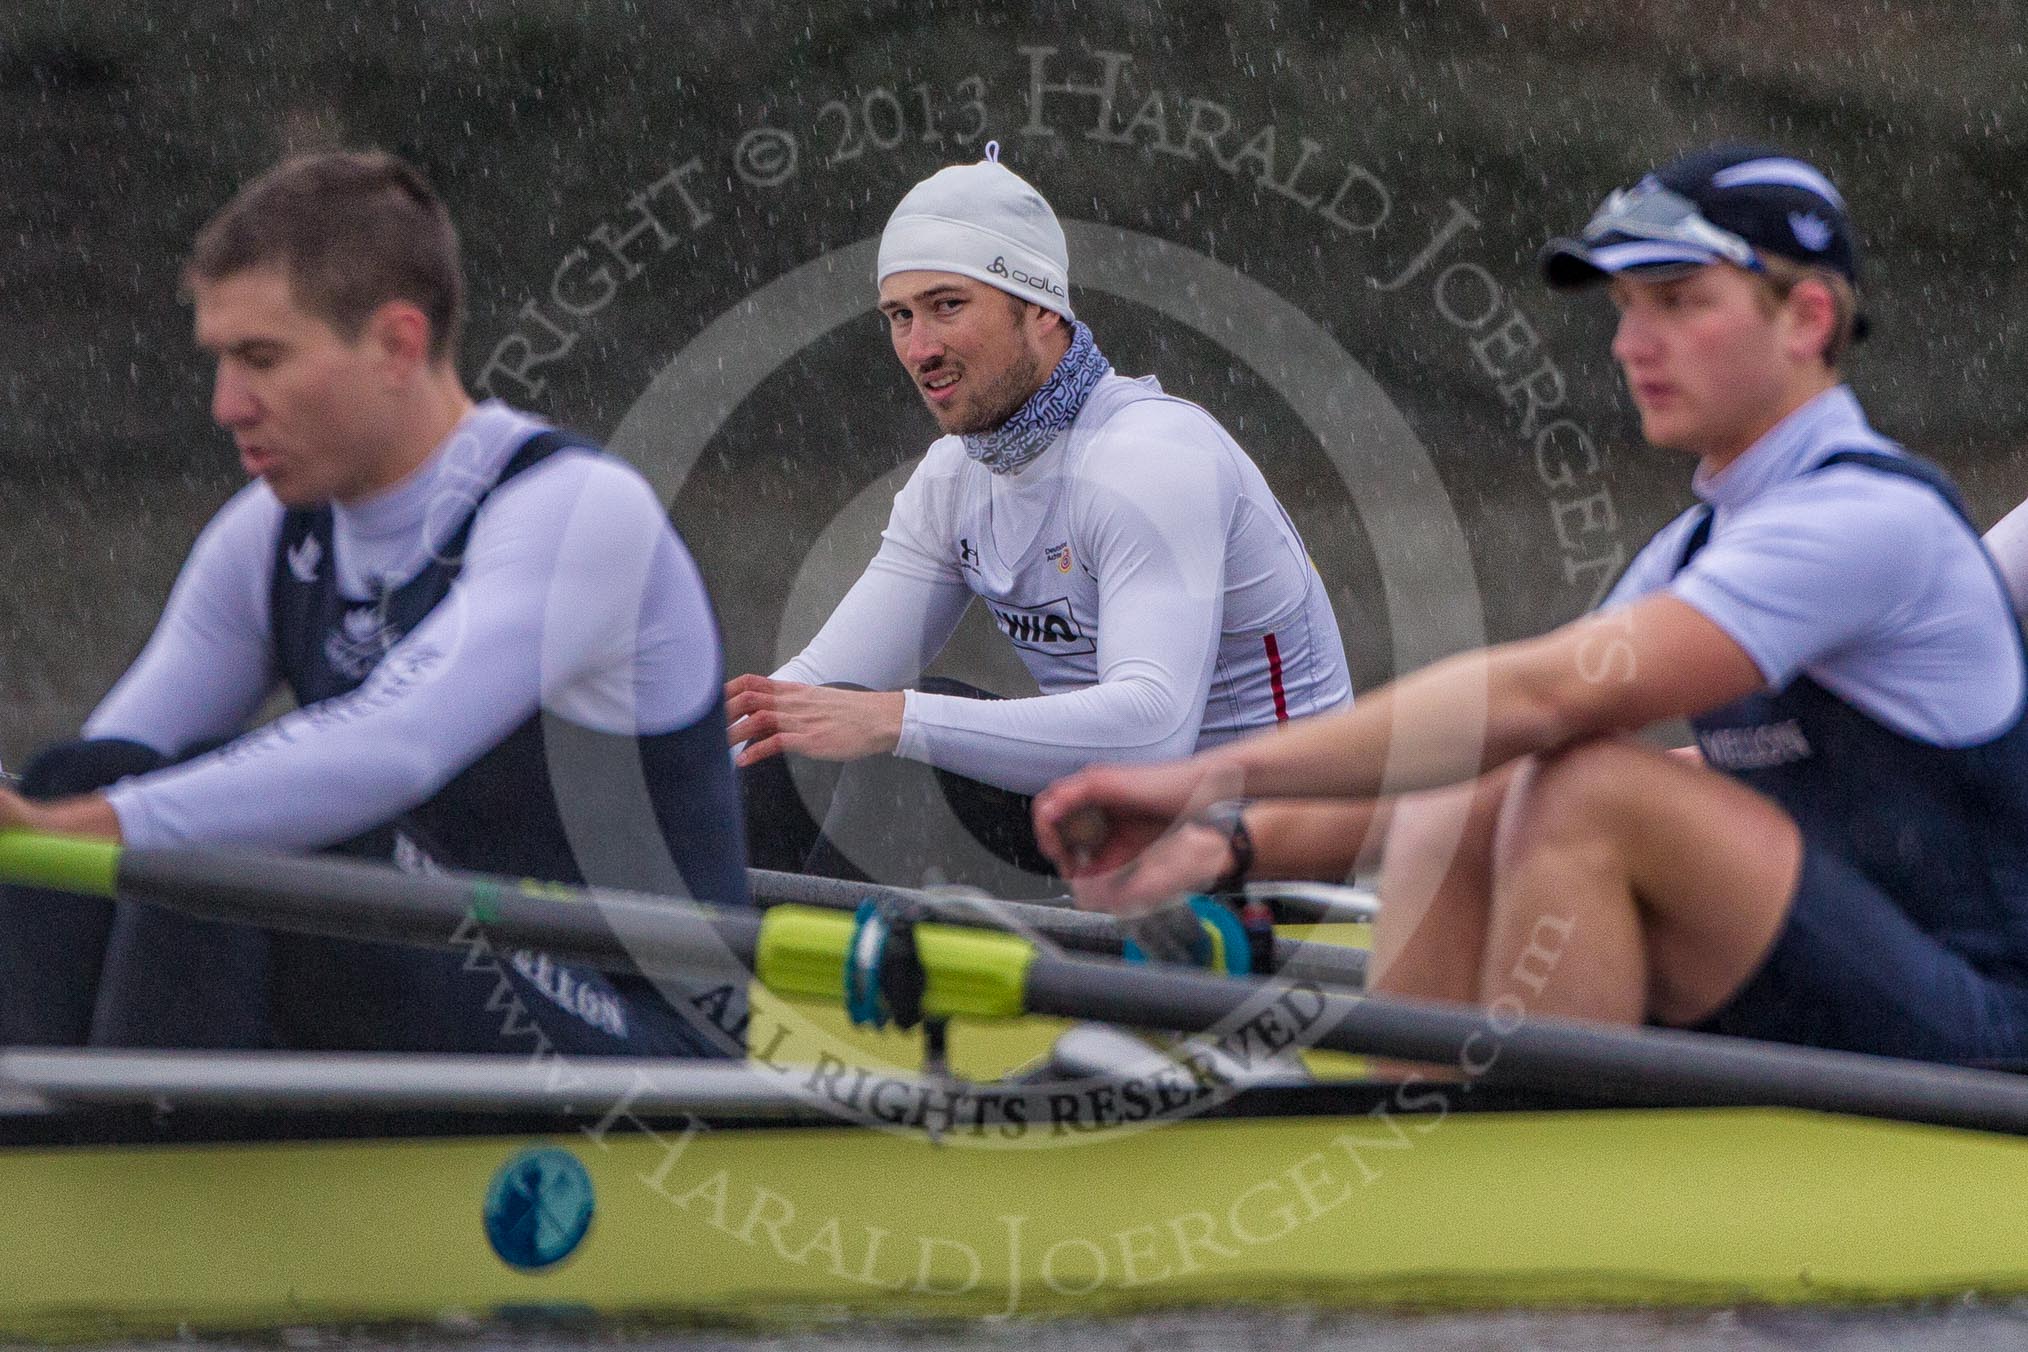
1148	852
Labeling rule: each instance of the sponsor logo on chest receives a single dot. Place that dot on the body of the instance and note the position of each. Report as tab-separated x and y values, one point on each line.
1048	628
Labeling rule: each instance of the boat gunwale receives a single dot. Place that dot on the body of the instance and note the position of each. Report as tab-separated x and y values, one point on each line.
115	1125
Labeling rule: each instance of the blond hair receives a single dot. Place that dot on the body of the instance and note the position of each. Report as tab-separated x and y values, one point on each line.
1779	276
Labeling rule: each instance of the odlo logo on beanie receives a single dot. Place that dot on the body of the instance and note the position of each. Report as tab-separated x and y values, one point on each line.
999	268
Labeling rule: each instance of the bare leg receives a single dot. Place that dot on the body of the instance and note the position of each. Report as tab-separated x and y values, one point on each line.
1436	883
1634	884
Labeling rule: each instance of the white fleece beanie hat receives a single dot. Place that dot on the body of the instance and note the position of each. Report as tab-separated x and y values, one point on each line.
982	221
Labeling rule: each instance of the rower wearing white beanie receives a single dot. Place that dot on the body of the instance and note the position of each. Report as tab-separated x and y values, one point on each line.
1120	539
982	221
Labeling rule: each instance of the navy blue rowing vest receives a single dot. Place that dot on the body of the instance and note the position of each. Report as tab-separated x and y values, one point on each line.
1942	830
499	814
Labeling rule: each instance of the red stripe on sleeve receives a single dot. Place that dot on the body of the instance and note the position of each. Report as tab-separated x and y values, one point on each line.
1274	656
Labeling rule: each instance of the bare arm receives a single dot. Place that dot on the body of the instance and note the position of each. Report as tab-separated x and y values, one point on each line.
1615	672
1654	659
1324	839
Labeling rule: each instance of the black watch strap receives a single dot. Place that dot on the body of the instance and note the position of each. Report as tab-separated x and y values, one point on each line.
1228	817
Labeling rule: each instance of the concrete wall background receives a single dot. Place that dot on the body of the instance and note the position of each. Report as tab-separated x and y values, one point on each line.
124	127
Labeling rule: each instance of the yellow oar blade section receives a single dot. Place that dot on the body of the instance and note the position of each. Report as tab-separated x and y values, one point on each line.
973	974
67	863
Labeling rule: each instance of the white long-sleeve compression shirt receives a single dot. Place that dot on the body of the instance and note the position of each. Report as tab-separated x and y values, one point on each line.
1141	567
575	595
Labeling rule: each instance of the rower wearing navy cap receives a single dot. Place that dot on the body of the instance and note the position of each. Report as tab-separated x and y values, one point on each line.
1846	864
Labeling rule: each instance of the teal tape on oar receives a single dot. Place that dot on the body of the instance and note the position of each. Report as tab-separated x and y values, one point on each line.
1234	952
67	863
884	977
863	956
1220	945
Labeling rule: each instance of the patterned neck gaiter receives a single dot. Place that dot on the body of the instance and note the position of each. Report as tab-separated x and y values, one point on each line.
1049	411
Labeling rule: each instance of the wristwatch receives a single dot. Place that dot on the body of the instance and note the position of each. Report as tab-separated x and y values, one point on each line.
1228	818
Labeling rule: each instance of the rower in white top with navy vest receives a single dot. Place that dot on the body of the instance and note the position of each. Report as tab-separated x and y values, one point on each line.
1122	542
504	657
1893	763
1846	863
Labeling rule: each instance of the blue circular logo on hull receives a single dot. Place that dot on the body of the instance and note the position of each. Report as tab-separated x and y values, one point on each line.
538	1208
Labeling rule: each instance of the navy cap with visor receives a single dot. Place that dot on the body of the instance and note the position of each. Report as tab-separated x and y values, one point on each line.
1727	204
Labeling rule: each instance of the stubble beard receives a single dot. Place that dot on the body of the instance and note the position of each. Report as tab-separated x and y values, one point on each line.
996	403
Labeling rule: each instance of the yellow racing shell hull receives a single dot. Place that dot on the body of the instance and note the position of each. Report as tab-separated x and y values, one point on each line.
690	1221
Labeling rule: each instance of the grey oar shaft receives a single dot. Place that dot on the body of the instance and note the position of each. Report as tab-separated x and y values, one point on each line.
1325	964
352	900
1635	1067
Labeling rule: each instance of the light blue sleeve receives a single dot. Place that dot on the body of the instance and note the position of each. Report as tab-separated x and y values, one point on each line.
1838	560
2007	542
1651	569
